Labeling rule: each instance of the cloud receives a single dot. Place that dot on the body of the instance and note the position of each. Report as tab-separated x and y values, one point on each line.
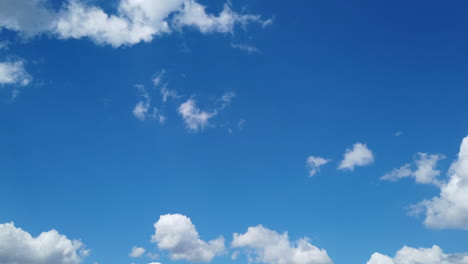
408	255
273	248
194	15
247	48
28	17
137	252
154	263
177	234
425	172
314	163
450	208
14	73
18	246
226	99
195	119
143	109
135	21
360	155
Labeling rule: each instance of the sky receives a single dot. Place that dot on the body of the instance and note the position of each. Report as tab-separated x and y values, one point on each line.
203	131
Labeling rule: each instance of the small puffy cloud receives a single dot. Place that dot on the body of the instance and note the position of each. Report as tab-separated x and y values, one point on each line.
154	263
408	255
18	246
137	252
176	234
195	119
132	23
359	155
425	172
14	73
314	163
450	208
271	247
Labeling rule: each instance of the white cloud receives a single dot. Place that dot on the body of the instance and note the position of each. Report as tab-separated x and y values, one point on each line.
226	99
154	263
135	20
143	109
450	208
177	234
194	15
247	48
425	172
18	246
195	119
314	163
360	155
273	248
137	252
157	80
14	73
408	255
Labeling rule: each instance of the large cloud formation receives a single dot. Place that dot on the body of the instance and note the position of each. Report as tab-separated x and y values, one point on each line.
274	248
408	255
450	208
135	20
176	234
19	247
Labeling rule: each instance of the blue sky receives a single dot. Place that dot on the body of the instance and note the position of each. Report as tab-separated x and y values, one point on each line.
183	131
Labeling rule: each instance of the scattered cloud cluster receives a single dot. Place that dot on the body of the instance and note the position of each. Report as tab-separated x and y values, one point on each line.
176	234
408	255
358	156
425	172
18	246
133	22
273	248
143	109
195	118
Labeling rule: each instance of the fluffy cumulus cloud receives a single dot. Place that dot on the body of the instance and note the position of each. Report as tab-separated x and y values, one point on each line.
450	208
314	163
18	246
195	119
271	247
176	234
137	252
408	255
359	155
134	20
425	171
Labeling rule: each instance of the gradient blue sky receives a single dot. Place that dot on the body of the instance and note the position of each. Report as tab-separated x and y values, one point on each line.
324	75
